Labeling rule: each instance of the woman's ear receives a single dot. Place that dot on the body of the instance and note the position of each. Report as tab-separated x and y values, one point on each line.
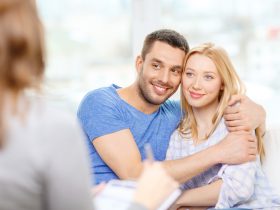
222	87
139	63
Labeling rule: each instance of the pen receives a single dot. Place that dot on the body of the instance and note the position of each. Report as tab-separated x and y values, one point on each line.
149	152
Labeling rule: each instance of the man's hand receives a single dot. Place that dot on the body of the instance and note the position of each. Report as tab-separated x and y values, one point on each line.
244	114
237	148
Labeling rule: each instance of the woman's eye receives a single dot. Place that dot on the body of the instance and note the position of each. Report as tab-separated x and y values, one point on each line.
189	74
209	77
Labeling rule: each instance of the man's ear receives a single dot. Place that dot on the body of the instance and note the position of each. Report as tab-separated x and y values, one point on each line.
139	63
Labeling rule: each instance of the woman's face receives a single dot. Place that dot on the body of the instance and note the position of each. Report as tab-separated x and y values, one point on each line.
201	82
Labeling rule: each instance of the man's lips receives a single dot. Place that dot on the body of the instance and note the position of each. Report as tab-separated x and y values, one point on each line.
160	90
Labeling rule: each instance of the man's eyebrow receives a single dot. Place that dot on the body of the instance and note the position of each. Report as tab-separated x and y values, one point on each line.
161	62
177	67
157	60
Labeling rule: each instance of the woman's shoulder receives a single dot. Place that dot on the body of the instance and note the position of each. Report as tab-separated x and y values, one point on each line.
180	136
43	132
51	123
44	111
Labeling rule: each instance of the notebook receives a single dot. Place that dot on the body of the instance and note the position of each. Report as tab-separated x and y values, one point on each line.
119	193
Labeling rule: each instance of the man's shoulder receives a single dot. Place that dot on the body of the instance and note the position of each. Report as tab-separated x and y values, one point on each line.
101	92
171	105
101	95
104	99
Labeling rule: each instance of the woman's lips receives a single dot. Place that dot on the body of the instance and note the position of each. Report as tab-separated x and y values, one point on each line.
196	95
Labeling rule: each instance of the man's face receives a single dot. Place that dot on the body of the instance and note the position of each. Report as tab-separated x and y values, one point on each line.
159	74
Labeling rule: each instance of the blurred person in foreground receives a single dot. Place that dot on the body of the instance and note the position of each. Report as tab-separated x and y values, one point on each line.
43	160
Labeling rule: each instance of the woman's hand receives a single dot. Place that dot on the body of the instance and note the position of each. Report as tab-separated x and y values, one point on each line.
154	186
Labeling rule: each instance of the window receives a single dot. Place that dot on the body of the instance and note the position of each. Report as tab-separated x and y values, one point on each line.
93	43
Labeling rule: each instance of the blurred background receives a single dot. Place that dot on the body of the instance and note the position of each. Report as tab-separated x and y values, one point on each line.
93	43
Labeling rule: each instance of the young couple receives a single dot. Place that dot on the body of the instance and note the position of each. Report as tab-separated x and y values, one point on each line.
118	122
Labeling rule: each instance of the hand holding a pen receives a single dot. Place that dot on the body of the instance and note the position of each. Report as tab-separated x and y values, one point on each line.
154	184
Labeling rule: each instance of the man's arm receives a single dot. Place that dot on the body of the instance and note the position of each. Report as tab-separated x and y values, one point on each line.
235	148
247	115
120	152
123	156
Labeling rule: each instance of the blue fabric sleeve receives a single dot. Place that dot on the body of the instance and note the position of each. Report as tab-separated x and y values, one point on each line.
99	114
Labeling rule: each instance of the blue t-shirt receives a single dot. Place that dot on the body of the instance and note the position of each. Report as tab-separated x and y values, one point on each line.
102	112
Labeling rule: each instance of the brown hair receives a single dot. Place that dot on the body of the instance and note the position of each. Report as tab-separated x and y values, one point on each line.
21	50
167	36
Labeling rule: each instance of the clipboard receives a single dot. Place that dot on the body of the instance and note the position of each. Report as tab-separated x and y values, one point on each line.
119	193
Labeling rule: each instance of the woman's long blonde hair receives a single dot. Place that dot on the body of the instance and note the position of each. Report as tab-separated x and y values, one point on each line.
21	51
231	85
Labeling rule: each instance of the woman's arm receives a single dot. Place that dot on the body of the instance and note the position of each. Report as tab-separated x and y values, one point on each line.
238	184
206	195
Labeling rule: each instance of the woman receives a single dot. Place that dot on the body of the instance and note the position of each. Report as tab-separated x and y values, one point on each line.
43	163
208	82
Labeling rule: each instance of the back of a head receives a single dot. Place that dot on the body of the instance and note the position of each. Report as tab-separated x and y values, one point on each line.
21	45
21	50
167	36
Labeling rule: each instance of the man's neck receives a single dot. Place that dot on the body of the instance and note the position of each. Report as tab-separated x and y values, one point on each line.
132	96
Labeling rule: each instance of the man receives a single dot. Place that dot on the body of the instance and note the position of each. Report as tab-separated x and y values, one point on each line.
118	121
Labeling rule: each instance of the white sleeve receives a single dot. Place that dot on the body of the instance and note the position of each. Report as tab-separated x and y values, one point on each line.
238	184
173	148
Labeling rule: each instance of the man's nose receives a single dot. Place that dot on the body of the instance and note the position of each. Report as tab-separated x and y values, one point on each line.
164	76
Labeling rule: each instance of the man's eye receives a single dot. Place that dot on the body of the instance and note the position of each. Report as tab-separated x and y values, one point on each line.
156	66
176	71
